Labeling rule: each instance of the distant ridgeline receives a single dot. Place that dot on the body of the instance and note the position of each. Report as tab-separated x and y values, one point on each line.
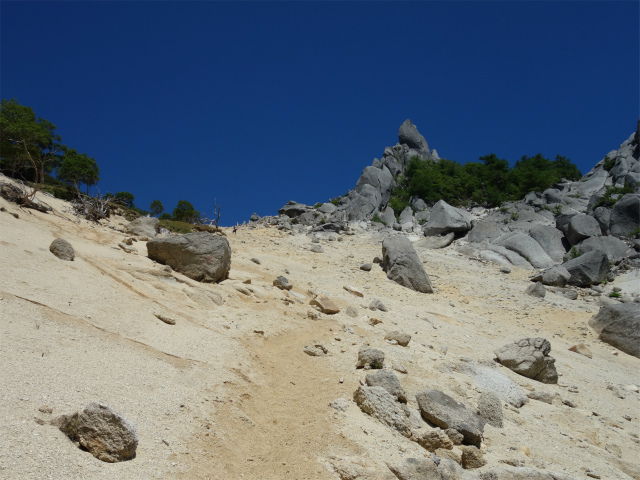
400	188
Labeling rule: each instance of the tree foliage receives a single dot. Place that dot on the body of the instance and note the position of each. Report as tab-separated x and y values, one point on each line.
156	208
29	146
184	212
78	168
489	182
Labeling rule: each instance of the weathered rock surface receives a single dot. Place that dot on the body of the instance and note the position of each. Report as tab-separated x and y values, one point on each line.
106	434
614	248
536	290
527	248
402	265
588	269
200	256
552	241
408	134
370	358
282	283
62	249
432	440
143	227
581	227
490	408
472	458
379	403
443	411
403	339
445	219
489	378
556	276
415	469
325	304
625	215
389	381
619	326
530	358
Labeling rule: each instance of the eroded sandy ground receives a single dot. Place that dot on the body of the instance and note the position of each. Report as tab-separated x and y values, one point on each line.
228	393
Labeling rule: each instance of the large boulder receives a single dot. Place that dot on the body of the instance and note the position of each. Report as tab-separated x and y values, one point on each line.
294	209
619	326
443	411
530	358
445	218
143	227
527	248
552	241
379	403
200	256
409	135
487	377
625	216
556	276
402	265
581	227
104	433
486	231
588	269
614	248
379	178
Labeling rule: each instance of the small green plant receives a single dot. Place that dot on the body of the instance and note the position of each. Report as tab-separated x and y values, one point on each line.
316	214
574	253
323	221
615	294
557	210
336	201
376	218
376	364
504	209
634	233
609	163
515	216
317	205
611	195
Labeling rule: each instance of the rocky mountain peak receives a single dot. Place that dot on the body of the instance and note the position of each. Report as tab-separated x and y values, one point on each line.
409	135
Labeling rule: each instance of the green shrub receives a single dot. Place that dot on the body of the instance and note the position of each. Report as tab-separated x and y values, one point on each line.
376	218
317	205
176	226
615	294
557	210
515	216
574	253
336	201
611	196
609	163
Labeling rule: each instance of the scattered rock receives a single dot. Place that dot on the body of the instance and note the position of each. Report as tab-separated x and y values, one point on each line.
316	249
126	248
387	380
582	349
106	434
379	403
442	410
432	440
402	265
200	256
165	319
490	408
619	326
592	473
45	409
403	339
314	350
530	358
415	469
374	321
370	358
378	305
256	261
545	397
353	291
366	267
282	283
446	219
536	290
472	458
340	404
62	249
588	269
352	311
325	304
455	436
505	270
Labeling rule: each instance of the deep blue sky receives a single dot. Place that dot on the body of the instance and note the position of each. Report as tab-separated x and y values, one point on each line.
258	103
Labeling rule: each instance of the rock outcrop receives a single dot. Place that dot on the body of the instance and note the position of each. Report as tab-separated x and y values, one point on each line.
530	358
402	265
619	326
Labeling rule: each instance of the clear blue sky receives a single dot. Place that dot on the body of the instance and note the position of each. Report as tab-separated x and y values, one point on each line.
258	103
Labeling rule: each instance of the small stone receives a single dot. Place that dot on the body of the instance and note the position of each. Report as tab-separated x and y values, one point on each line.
127	249
546	397
366	267
62	249
256	261
46	409
282	283
313	351
626	417
351	311
454	435
377	260
316	249
505	270
325	304
374	321
340	404
165	319
399	368
403	339
472	458
370	357
378	305
313	315
592	473
582	349
433	440
569	403
536	290
353	290
449	455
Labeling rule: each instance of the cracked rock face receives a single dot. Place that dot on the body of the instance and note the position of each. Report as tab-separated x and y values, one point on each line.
530	358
